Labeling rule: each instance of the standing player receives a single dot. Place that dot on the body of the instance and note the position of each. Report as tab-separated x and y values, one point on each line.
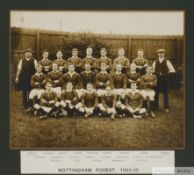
68	100
54	76
89	102
89	59
134	102
71	76
103	79
148	84
26	68
62	64
75	60
132	75
104	60
108	103
48	100
162	68
45	62
122	60
37	84
141	62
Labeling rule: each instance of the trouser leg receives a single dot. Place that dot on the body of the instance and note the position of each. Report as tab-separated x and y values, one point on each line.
165	94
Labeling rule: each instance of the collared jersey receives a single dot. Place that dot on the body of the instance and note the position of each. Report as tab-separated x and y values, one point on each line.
74	78
89	99
38	80
53	76
134	99
119	81
148	81
87	77
102	80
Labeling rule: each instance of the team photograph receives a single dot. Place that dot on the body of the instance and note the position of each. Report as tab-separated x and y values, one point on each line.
72	87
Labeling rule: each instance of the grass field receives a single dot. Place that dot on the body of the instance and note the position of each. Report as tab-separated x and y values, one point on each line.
164	131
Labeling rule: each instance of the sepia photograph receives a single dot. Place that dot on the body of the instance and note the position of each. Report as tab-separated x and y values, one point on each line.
97	79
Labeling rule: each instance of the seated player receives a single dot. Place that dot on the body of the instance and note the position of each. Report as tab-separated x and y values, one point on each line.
89	102
48	99
71	76
134	102
141	62
132	75
119	81
45	62
122	60
104	60
68	100
89	59
75	60
103	79
54	76
62	64
87	76
148	83
37	84
108	103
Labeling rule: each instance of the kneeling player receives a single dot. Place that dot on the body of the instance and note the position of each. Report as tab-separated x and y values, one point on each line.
108	103
134	102
68	100
89	102
37	84
47	106
148	83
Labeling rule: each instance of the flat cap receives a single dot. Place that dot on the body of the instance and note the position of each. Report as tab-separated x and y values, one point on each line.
161	51
28	50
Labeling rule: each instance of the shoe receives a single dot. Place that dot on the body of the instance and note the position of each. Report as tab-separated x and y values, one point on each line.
166	110
152	114
137	116
43	117
112	116
86	116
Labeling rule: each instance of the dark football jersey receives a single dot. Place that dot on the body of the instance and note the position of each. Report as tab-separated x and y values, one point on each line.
102	80
140	61
62	64
123	61
74	79
104	60
91	61
119	80
148	81
38	80
46	97
55	77
87	77
71	96
76	61
46	65
89	99
134	99
108	100
132	77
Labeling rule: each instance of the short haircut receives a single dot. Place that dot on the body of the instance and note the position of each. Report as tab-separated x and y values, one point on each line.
45	51
89	47
48	82
38	65
103	48
121	48
140	49
59	51
74	49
